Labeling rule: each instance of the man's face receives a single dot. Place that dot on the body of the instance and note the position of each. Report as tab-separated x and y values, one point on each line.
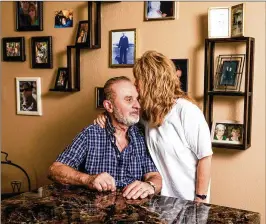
25	5
126	107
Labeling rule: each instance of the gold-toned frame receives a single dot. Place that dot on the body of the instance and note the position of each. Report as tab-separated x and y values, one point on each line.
227	22
162	18
234	27
111	48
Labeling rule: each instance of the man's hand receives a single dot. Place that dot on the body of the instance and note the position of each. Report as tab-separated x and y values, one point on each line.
102	182
138	189
100	120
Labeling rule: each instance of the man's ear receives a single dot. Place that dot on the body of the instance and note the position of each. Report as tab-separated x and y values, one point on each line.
108	106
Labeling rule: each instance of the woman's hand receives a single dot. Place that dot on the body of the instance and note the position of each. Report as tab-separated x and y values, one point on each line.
100	120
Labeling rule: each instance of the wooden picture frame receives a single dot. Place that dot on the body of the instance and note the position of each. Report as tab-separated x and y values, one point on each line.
13	49
29	95
160	10
42	52
219	22
83	35
237	20
61	79
182	72
99	97
122	48
29	16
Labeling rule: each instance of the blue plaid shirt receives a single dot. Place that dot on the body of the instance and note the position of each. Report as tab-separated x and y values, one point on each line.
95	150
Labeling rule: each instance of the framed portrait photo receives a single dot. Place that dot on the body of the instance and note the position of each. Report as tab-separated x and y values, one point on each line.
159	10
61	78
99	97
219	22
83	36
182	72
13	49
29	16
29	95
227	132
229	72
237	20
122	48
63	18
41	52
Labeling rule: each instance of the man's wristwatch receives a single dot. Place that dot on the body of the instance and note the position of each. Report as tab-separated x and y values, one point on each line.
152	184
201	196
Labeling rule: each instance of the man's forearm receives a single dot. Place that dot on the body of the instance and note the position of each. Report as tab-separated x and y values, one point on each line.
65	174
203	175
155	178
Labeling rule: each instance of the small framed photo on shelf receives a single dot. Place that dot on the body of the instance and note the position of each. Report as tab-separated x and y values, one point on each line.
83	36
13	49
42	54
229	72
159	10
219	22
29	95
29	16
182	72
61	78
99	97
237	20
227	132
122	48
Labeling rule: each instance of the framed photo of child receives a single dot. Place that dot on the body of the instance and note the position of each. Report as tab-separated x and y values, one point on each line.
227	132
61	78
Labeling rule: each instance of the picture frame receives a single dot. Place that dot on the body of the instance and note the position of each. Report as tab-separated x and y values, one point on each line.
227	132
29	16
63	18
122	48
99	97
182	72
160	10
41	52
229	72
13	49
61	78
83	35
237	20
28	96
219	22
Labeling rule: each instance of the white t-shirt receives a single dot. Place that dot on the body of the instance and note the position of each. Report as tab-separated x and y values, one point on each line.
177	145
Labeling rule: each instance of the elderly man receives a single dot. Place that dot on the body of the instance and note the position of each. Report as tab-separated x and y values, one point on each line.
115	156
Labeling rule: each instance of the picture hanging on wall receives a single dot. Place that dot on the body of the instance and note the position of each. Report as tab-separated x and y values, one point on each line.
160	10
61	78
42	54
182	72
13	49
83	36
122	48
99	97
29	16
63	18
237	20
29	95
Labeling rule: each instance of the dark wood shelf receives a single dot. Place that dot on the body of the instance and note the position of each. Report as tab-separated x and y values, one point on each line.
228	93
232	39
230	146
64	90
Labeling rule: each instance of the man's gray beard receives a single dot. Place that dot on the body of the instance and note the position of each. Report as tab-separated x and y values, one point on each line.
126	121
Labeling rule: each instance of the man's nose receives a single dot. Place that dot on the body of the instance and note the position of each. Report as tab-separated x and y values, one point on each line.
136	104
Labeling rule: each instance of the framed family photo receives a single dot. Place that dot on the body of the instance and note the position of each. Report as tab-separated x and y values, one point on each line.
61	78
83	36
29	16
229	72
218	22
237	20
159	10
99	97
228	132
41	52
63	18
29	96
13	49
122	48
182	72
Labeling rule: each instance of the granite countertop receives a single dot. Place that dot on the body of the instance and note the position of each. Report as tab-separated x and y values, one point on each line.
70	204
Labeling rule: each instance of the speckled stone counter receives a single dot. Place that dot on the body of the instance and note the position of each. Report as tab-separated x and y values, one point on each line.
68	204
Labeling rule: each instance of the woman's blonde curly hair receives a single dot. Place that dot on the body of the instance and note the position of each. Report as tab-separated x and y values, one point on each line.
159	86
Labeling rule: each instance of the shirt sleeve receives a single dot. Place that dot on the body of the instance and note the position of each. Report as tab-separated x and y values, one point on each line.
75	153
196	130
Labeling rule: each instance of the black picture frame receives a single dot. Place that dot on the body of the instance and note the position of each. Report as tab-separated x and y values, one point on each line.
24	21
182	65
83	28
61	79
42	53
99	97
13	49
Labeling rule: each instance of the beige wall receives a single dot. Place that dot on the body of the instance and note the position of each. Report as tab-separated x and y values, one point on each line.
238	177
